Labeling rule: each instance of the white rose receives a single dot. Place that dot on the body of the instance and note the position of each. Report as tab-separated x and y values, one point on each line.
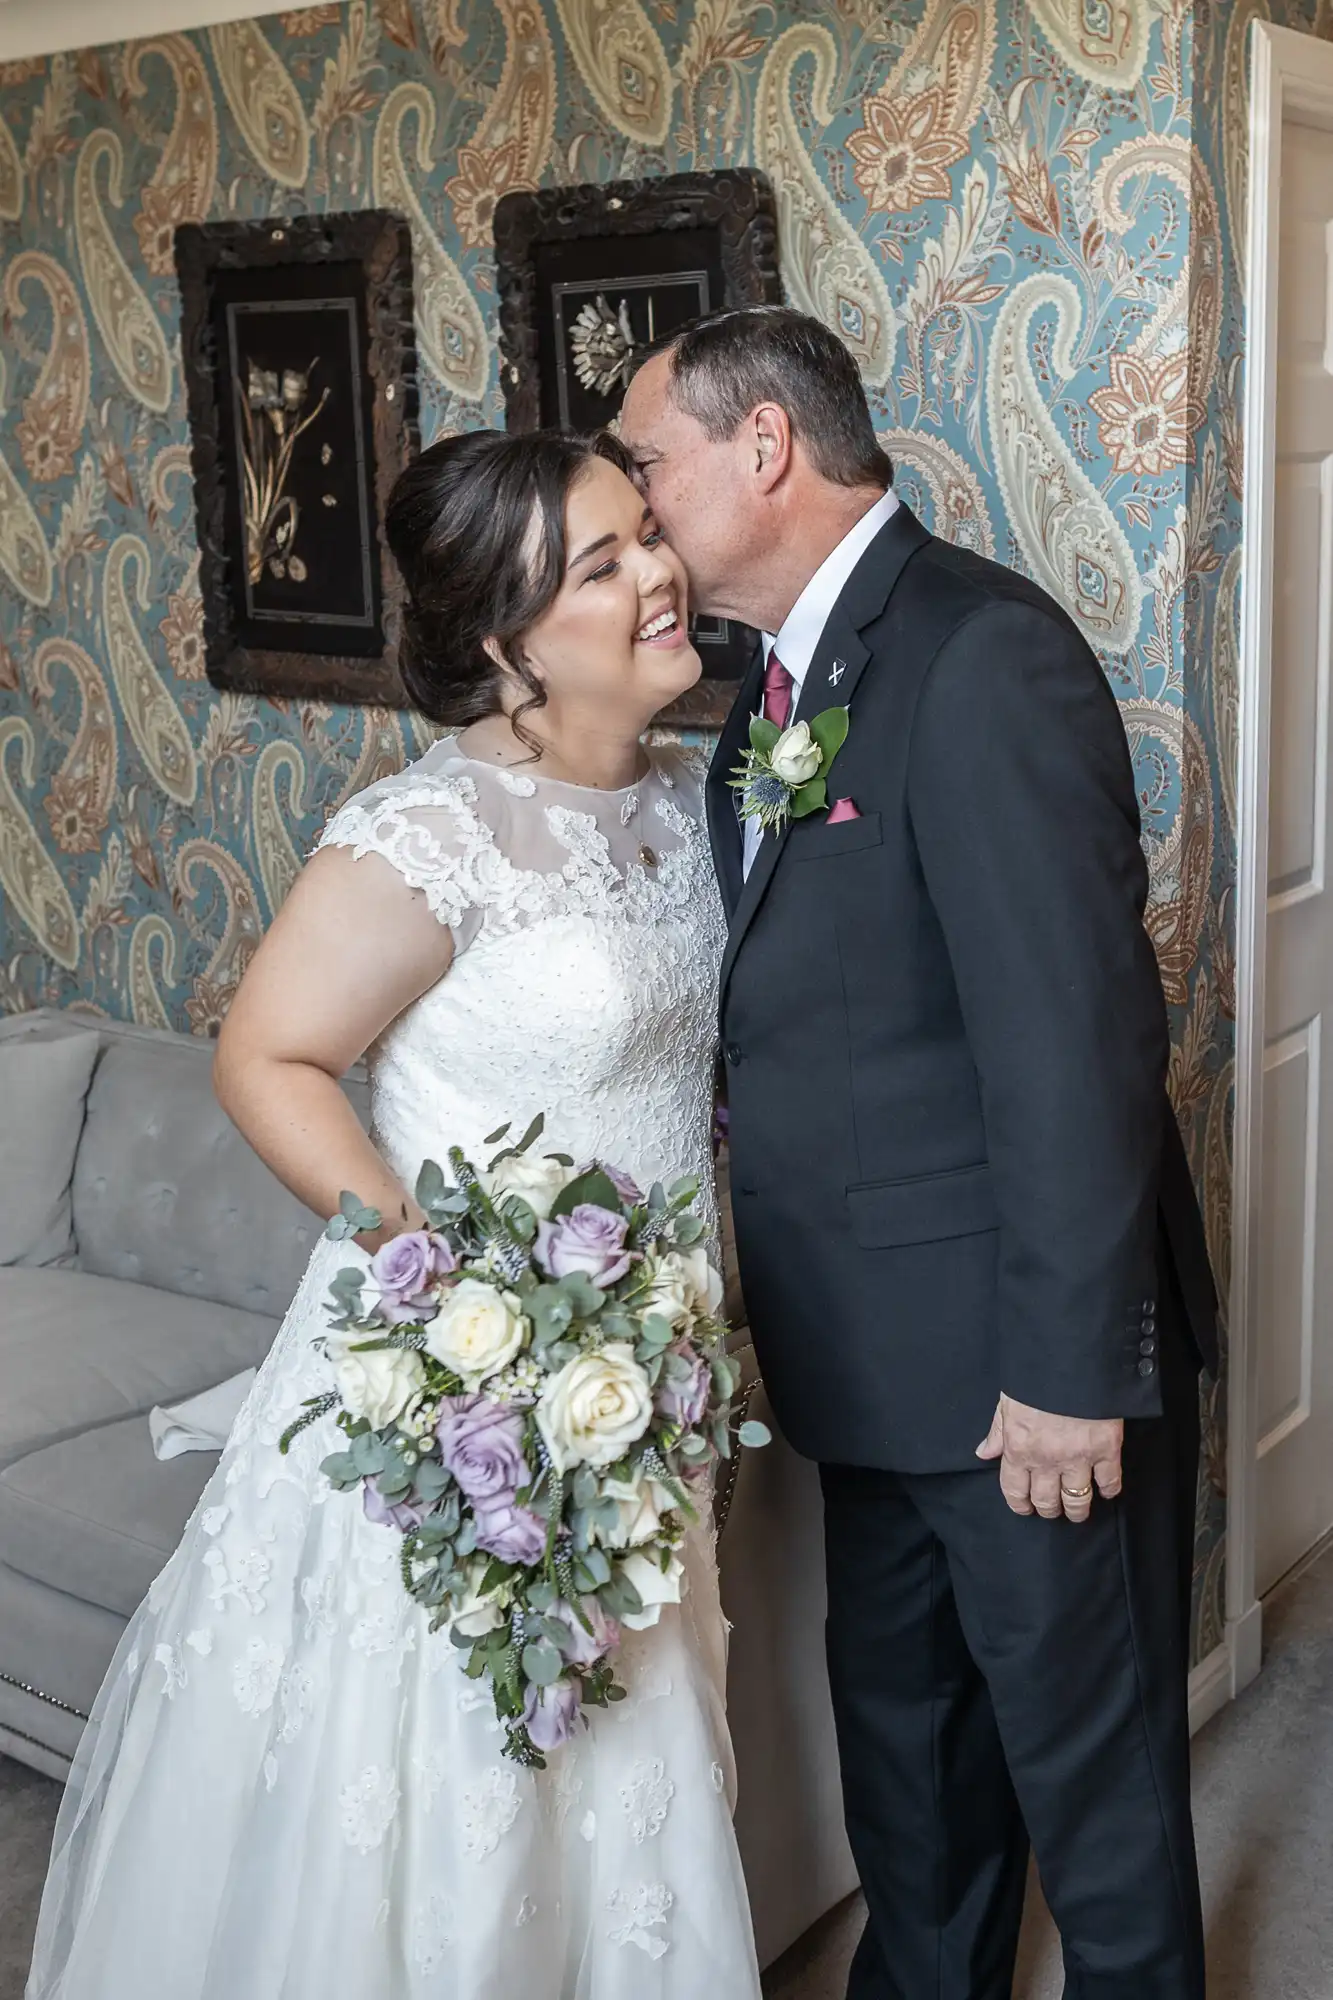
476	1615
378	1385
595	1408
671	1291
706	1289
477	1330
655	1585
683	1284
537	1181
640	1503
796	756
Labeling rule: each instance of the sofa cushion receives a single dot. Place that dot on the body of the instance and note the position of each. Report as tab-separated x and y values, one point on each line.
44	1080
168	1193
98	1515
77	1350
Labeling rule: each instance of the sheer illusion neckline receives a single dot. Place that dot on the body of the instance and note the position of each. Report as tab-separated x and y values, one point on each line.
527	775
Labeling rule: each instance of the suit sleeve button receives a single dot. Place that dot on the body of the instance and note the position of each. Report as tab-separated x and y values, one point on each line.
733	1053
1147	1347
1147	1366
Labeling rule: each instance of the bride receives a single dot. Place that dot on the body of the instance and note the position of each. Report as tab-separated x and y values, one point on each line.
289	1789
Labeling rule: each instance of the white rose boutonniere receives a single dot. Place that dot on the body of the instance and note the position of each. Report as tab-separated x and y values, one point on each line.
784	773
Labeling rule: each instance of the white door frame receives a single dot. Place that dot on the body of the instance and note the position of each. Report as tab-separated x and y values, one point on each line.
1291	81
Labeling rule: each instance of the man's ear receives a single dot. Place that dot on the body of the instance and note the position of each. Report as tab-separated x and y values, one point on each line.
771	445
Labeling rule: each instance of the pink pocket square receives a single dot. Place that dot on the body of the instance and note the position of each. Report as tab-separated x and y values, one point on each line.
843	809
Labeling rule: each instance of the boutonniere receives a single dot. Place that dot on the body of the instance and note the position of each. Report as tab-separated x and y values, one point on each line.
784	773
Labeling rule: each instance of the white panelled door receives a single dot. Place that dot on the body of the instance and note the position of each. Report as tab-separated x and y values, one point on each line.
1295	1292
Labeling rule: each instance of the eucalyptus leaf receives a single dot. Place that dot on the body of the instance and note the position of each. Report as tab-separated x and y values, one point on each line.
520	1218
338	1229
494	1138
594	1187
620	1597
657	1331
432	1480
684	1190
586	1298
368	1454
585	1486
754	1434
596	1566
542	1663
534	1131
693	1446
542	1595
689	1228
431	1184
341	1468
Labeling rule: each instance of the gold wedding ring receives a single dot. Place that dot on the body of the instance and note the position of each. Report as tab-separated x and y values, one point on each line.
1076	1492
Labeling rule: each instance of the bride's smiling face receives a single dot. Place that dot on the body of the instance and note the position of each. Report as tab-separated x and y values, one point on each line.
614	638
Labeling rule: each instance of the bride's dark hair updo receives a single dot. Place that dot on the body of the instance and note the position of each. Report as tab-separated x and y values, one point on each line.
477	528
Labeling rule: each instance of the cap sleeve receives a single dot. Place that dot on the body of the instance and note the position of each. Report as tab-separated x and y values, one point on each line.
430	834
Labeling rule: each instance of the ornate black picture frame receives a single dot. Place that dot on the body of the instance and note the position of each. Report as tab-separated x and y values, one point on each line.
588	274
300	372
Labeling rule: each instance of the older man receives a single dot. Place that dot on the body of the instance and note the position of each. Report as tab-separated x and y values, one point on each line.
969	1245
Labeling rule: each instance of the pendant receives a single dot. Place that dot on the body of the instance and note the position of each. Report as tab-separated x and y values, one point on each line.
646	855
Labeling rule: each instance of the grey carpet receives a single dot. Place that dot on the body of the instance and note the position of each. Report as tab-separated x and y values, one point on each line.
1263	1788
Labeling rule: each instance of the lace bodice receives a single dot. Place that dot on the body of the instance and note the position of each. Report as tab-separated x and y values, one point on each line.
588	934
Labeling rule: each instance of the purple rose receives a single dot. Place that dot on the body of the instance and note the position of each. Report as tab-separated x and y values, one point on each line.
404	1269
625	1186
586	1648
400	1514
549	1713
590	1239
481	1443
684	1402
514	1534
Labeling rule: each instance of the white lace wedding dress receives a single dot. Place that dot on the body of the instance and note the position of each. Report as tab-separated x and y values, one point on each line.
289	1790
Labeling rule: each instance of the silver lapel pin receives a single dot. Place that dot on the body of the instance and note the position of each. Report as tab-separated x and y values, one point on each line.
839	669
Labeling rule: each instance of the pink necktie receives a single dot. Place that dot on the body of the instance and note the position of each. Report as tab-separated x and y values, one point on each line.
778	685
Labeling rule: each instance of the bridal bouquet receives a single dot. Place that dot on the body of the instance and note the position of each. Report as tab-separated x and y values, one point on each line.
534	1389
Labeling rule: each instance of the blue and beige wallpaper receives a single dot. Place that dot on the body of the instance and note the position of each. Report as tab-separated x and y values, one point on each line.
1025	217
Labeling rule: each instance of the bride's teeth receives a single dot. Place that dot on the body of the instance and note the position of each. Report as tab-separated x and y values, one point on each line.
664	622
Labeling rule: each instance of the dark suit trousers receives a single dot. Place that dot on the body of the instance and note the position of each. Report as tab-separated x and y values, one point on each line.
997	1677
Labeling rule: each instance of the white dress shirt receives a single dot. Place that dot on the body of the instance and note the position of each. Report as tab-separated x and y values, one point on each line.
803	627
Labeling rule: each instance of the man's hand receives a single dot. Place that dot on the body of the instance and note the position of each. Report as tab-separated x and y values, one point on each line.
1049	1465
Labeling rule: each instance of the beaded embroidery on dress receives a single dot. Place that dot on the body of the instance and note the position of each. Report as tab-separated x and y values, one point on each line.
289	1789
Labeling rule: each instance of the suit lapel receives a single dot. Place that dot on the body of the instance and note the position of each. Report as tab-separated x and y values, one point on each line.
840	659
724	827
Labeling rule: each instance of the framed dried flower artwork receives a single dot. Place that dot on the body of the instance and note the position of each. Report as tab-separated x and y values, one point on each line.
300	369
587	277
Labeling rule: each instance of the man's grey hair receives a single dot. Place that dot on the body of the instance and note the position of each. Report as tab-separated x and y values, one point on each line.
723	366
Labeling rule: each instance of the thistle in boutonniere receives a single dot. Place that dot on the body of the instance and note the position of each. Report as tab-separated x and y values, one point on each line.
784	773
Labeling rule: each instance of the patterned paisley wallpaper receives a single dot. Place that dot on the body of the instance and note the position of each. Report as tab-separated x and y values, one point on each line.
1025	216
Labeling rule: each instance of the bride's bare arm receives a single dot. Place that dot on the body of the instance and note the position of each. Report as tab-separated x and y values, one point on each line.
351	948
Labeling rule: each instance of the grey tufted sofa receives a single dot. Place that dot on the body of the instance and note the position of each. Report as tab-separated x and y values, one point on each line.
169	1270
